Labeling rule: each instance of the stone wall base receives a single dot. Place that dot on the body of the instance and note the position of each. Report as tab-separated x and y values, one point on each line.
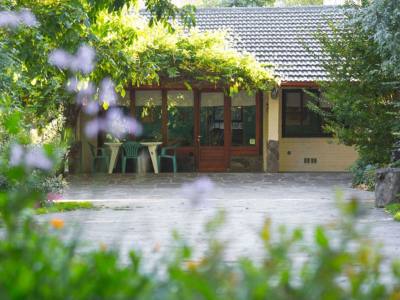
387	188
273	156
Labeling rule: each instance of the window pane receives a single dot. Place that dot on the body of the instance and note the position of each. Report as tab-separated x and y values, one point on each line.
293	108
243	119
148	112
311	120
180	117
300	121
212	119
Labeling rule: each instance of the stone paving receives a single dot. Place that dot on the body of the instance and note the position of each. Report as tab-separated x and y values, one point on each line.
141	212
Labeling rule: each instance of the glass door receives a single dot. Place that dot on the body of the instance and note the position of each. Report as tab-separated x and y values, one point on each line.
211	140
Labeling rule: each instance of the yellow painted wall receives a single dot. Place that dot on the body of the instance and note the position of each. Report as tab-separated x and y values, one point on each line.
331	156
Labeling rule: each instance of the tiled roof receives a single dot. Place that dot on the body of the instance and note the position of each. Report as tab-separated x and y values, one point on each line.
275	35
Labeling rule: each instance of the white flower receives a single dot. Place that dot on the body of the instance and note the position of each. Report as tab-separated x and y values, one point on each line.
198	191
36	158
16	155
107	91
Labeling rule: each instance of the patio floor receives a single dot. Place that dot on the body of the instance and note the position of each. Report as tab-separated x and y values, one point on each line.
140	212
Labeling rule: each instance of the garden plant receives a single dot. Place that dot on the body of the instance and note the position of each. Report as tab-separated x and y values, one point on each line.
57	57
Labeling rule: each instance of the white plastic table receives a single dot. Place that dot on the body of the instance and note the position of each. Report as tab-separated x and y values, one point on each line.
114	147
152	146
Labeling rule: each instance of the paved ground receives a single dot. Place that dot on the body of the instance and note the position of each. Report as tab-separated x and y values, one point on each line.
141	211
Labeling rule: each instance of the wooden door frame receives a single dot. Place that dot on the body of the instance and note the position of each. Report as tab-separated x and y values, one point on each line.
229	150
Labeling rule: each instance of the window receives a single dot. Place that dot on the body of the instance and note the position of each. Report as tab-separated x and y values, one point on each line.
212	119
180	117
243	119
148	112
297	119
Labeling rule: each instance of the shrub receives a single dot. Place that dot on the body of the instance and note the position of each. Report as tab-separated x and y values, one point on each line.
363	175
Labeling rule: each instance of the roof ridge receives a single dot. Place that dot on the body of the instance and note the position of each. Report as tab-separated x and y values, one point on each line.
305	7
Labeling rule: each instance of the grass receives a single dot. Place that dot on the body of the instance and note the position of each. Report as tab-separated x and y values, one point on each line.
63	207
394	210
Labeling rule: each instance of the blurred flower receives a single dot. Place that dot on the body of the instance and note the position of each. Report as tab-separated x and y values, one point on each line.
28	18
57	223
14	19
192	265
107	92
120	125
103	247
60	58
72	84
94	127
83	60
36	158
91	108
198	190
8	19
17	153
53	197
157	247
85	92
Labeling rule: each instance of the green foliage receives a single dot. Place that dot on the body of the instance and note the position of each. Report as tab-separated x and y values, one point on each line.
340	263
154	55
394	210
363	175
302	2
235	3
364	97
54	207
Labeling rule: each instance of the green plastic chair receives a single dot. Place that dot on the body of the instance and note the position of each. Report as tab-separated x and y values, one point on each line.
130	150
99	154
169	152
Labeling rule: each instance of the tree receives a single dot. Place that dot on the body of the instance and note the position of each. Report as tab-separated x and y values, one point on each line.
362	90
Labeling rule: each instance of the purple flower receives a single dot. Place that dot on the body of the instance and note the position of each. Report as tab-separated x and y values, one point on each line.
83	60
12	19
198	191
60	59
85	94
120	125
93	127
72	84
8	19
133	127
107	91
17	153
28	18
91	108
36	158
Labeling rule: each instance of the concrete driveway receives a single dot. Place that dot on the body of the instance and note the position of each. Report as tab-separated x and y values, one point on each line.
140	212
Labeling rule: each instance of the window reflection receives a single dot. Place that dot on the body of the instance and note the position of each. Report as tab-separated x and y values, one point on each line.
180	117
148	112
243	113
212	119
